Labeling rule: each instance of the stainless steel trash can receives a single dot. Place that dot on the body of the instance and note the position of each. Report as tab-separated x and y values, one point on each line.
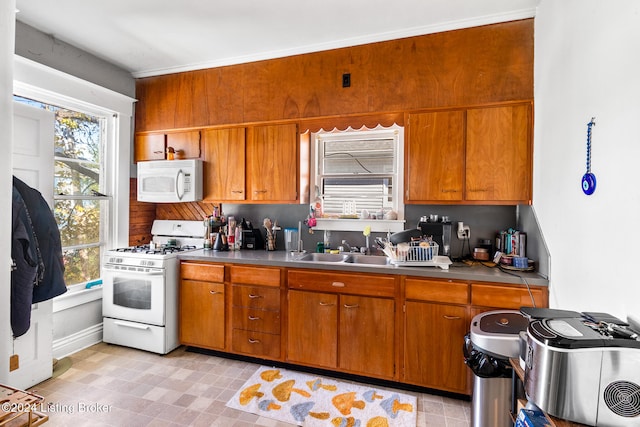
492	340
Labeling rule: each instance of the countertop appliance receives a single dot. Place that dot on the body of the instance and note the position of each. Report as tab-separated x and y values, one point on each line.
493	339
441	233
170	181
140	287
584	369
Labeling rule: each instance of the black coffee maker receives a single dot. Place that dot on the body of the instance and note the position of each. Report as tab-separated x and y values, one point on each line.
251	237
439	228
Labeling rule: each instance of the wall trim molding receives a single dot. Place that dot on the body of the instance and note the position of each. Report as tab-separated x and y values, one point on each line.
78	341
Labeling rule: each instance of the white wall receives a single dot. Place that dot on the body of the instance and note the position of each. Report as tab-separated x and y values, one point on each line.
587	64
7	19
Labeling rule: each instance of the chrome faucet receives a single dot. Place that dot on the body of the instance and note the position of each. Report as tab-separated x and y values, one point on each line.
344	247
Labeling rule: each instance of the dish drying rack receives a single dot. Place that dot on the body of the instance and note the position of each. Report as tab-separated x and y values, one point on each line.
422	253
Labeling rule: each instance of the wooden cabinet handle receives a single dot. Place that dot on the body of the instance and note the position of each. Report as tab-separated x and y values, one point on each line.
350	305
338	284
215	292
253	296
326	304
254	318
451	317
252	341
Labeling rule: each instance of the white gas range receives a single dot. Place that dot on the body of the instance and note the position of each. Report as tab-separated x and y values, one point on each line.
140	287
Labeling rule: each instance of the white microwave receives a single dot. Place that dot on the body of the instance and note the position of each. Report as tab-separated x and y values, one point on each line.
170	181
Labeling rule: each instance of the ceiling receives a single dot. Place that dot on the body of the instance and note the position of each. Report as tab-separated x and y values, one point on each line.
153	37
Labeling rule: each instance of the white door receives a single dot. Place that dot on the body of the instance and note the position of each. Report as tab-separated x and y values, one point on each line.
33	130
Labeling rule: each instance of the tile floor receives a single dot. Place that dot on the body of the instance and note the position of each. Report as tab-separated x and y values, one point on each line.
109	385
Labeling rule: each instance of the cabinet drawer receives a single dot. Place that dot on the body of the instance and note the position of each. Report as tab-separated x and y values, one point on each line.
200	271
500	296
251	319
359	284
258	344
255	275
259	297
437	291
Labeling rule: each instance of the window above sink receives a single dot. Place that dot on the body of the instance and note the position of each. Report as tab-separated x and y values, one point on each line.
357	178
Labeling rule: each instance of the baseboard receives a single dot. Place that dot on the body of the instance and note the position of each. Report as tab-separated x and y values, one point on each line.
78	341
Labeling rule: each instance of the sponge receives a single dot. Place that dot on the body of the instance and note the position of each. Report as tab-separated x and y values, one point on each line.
367	231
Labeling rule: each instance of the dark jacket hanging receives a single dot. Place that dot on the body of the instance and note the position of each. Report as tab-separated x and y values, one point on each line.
26	263
47	234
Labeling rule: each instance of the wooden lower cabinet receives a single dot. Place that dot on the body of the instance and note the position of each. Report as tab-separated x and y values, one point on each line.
433	346
255	311
367	336
312	328
202	306
352	333
346	322
436	322
342	321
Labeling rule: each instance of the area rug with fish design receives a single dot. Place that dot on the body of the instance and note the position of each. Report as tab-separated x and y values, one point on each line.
310	400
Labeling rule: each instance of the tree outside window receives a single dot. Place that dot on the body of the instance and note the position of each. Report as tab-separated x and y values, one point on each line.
79	205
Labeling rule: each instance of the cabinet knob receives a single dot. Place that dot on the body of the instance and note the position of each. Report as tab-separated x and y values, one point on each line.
237	191
215	292
451	317
259	191
253	296
252	341
254	318
350	305
338	284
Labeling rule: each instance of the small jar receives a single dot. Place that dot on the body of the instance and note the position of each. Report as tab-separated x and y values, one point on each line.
320	247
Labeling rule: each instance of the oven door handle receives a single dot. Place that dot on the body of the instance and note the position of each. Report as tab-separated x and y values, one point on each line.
151	271
132	325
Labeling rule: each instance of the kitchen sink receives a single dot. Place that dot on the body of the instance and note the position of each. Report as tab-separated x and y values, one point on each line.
345	258
368	259
322	257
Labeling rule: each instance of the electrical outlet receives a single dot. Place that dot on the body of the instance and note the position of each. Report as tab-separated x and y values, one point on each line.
464	233
346	80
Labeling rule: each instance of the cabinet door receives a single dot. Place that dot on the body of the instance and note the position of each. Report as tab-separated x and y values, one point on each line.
186	144
149	147
367	331
202	315
224	167
313	329
434	336
434	156
498	154
272	163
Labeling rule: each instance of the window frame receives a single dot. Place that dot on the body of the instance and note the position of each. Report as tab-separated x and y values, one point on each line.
395	131
47	85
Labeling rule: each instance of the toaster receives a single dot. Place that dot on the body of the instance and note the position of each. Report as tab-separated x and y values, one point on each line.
584	370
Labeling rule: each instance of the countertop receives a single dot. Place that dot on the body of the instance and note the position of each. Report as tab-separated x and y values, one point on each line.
457	270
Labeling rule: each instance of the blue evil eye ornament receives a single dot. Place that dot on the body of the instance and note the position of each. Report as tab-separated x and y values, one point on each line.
589	179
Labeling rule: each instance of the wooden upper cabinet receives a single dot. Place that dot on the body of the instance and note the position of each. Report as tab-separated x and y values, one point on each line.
272	163
185	144
153	146
224	164
149	147
499	154
434	156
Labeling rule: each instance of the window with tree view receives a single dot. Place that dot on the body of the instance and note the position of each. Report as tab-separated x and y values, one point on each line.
80	208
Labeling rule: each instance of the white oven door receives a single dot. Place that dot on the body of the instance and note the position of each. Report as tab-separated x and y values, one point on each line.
134	293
